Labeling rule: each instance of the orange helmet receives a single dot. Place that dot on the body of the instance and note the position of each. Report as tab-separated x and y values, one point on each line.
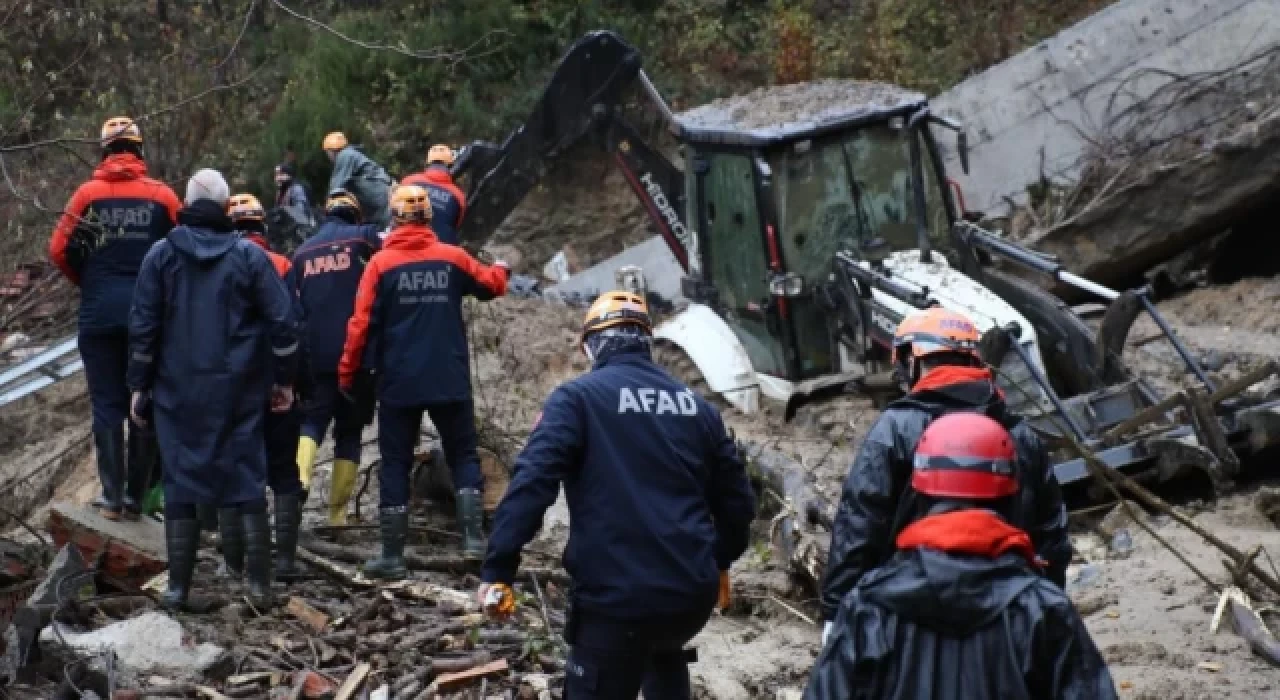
120	129
965	455
335	141
616	308
935	330
409	203
245	207
440	154
341	199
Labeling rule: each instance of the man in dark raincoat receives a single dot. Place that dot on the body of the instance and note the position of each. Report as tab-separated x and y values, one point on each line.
962	610
212	327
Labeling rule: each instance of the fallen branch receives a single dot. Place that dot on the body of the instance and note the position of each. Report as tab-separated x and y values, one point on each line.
793	534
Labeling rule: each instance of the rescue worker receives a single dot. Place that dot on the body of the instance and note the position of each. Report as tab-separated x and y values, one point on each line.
936	356
448	203
659	508
291	196
281	429
962	609
99	243
211	332
409	310
356	173
327	270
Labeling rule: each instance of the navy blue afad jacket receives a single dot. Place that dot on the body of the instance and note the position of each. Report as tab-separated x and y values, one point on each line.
407	325
659	501
104	233
212	326
448	203
326	273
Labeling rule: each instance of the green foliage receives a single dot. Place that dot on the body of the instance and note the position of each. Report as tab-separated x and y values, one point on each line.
70	64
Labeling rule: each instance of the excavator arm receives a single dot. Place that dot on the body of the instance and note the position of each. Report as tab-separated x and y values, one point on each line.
582	100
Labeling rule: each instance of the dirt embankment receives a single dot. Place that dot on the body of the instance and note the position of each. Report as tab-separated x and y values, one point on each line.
1229	330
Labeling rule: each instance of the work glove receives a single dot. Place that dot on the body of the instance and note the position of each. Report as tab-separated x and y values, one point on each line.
826	631
725	597
497	600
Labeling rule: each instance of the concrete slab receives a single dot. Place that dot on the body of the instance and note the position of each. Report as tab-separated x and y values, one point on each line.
131	551
1039	111
662	272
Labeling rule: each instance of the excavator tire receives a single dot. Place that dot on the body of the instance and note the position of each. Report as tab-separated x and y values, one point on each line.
677	362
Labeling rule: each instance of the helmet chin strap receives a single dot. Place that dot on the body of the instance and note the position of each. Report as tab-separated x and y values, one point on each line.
586	350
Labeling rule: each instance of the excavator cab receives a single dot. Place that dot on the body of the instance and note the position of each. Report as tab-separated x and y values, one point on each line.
774	205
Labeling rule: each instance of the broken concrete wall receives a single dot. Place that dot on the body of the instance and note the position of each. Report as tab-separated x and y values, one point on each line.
1170	208
1040	112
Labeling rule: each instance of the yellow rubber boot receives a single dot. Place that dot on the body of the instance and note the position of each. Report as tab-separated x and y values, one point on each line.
306	460
341	483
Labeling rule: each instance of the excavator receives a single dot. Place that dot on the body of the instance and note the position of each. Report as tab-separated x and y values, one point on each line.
803	244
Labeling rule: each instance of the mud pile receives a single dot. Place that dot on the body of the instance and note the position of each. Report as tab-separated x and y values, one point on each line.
1229	329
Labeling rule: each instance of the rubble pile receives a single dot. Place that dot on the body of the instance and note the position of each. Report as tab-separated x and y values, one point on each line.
335	632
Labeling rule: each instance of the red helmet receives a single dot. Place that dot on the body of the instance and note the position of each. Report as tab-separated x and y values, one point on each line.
965	455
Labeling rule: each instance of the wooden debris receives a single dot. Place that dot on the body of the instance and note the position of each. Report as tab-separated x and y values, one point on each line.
452	681
1247	624
314	619
436	594
353	682
793	533
272	677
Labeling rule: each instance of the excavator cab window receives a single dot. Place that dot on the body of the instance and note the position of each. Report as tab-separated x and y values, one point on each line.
840	191
736	260
837	192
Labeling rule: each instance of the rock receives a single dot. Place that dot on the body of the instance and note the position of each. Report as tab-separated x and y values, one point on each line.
1122	544
13	340
1089	547
1086	576
1118	518
1212	361
1094	602
1267	501
150	643
509	254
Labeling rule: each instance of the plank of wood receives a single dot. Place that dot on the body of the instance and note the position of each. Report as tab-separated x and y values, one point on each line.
300	609
353	682
450	681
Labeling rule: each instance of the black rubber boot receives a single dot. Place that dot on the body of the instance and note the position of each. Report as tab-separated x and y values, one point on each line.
182	542
288	520
257	558
109	446
471	523
140	462
231	540
394	526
